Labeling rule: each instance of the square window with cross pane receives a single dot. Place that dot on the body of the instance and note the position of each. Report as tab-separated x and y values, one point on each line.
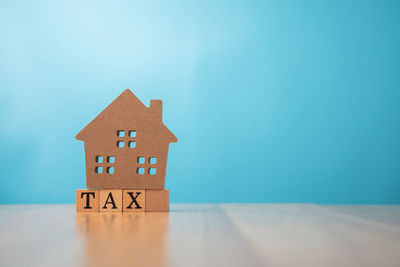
105	164
126	139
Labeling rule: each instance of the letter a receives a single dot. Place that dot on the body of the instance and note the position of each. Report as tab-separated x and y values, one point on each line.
110	200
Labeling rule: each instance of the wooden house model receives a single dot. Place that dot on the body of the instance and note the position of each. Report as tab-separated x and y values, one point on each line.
126	145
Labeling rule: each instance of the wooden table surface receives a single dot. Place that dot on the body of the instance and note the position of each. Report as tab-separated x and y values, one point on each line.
202	235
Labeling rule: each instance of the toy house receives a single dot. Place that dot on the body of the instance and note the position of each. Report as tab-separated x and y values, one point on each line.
126	145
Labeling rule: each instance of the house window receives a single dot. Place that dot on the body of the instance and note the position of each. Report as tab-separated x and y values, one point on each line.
132	144
120	133
127	137
152	171
120	144
132	134
146	165
110	170
107	166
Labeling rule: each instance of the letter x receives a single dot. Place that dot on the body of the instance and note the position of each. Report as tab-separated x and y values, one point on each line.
134	200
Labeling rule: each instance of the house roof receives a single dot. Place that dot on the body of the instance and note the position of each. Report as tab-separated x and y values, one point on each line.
127	107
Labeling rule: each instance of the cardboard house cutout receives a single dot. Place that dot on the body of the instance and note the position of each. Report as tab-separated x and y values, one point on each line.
126	145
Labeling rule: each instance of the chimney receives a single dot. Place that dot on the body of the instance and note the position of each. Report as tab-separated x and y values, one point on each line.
156	108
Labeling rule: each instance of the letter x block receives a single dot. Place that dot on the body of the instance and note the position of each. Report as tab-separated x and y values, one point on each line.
87	200
133	200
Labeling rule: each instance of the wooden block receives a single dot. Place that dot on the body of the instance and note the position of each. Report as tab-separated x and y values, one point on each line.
87	200
133	200
157	200
110	200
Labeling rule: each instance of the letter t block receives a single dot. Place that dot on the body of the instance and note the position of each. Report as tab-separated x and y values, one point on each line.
87	200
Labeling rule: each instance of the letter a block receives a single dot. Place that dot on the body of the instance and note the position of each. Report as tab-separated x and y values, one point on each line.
87	200
134	200
110	200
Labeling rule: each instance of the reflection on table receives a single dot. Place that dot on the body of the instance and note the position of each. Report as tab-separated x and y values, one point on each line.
123	239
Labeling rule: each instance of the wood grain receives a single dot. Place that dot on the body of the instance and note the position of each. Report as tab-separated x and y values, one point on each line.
202	235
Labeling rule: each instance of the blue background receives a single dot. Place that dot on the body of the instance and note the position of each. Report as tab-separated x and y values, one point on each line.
272	101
